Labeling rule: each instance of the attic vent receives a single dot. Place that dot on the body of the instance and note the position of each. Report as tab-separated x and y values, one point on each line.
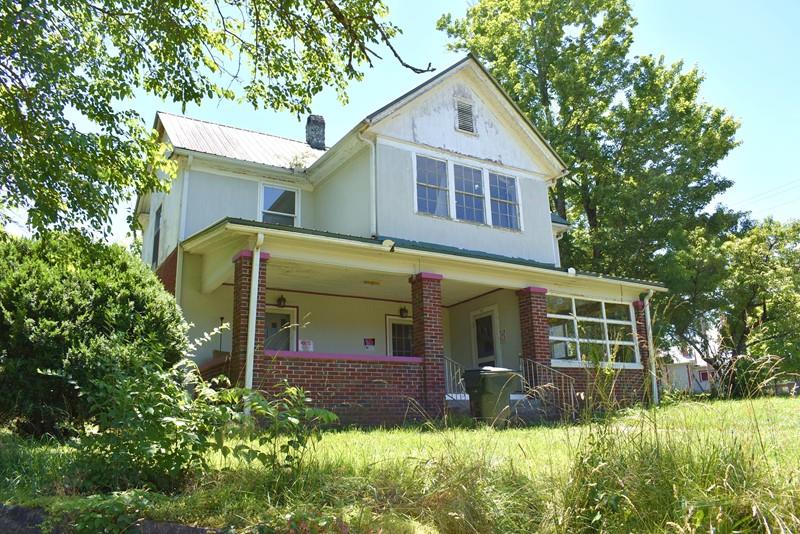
466	121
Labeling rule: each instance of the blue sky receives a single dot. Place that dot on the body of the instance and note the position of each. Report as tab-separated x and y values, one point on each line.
748	54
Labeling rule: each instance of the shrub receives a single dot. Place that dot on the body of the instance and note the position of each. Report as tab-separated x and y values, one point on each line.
63	298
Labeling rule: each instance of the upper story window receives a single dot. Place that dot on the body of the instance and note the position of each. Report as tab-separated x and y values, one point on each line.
156	238
505	206
465	118
469	193
591	330
432	190
279	205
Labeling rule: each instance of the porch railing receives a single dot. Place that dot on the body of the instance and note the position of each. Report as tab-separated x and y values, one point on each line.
555	389
453	377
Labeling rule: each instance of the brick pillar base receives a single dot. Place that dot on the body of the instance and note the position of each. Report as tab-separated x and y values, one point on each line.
242	275
644	351
428	338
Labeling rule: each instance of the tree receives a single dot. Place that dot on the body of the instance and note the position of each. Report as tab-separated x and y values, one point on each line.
71	60
640	146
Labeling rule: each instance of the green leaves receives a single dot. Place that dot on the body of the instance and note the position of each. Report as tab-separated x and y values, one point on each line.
71	150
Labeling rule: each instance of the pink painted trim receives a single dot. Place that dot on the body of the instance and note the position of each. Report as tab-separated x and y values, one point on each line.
429	276
531	289
638	304
249	254
341	357
278	289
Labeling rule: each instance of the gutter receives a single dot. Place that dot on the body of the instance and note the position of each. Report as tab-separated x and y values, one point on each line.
251	312
650	351
373	184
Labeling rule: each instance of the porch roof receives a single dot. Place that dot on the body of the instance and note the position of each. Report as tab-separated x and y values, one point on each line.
420	246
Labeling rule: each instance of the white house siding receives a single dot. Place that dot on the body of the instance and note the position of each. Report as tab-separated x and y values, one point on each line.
212	197
508	336
343	200
203	310
397	217
170	221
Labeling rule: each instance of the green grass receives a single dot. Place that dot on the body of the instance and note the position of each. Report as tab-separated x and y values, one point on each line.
727	465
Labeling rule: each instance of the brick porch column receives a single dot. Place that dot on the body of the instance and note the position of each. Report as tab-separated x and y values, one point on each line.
534	331
242	275
428	338
644	351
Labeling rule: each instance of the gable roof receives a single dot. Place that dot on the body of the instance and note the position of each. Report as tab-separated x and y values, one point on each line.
236	143
468	59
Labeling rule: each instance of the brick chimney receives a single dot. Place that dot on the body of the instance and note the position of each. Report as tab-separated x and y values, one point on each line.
315	131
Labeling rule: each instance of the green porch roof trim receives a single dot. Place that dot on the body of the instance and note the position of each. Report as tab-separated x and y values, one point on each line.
558	219
422	246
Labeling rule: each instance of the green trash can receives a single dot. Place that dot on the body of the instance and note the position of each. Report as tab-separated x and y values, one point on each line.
489	390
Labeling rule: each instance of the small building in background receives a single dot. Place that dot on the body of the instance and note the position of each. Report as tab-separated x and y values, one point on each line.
687	371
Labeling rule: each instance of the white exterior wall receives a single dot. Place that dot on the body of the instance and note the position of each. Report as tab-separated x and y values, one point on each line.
343	199
397	215
170	204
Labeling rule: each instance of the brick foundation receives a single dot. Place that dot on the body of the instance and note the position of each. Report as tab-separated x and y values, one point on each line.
167	272
428	342
359	392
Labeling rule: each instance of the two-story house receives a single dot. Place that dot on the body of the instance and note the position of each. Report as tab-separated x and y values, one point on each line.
419	244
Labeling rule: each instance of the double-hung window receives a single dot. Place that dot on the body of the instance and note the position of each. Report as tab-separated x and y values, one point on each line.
279	205
432	190
505	206
591	330
468	182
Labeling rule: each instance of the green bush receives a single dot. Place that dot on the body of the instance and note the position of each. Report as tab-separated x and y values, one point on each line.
65	302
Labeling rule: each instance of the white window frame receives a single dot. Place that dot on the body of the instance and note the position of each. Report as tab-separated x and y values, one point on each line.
274	185
607	343
491	310
483	186
292	312
392	320
456	102
451	194
450	197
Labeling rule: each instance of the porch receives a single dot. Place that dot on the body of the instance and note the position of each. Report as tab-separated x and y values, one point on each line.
375	334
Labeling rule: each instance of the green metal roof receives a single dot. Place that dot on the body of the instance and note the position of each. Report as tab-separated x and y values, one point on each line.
558	219
421	246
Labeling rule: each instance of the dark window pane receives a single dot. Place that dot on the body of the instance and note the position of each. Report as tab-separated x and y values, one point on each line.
280	200
618	312
593	352
623	353
563	350
278	331
484	334
431	200
431	172
401	339
620	332
561	327
588	308
559	305
588	330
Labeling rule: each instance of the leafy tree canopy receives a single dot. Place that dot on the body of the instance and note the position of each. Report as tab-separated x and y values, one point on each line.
77	59
641	146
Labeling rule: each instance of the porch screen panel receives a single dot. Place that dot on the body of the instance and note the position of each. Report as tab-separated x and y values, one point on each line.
432	192
591	330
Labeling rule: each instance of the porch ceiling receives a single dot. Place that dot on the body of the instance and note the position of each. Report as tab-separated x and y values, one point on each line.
334	280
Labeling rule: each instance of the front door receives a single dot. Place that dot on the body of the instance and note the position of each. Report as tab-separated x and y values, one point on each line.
278	331
484	342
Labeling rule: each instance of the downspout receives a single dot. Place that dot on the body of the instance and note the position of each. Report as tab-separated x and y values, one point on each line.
251	312
373	188
650	352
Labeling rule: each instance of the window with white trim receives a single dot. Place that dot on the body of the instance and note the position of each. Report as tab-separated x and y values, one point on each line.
399	340
156	238
591	330
279	205
503	196
468	185
432	190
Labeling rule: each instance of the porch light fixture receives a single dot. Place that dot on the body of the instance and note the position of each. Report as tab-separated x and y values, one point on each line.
281	302
403	312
